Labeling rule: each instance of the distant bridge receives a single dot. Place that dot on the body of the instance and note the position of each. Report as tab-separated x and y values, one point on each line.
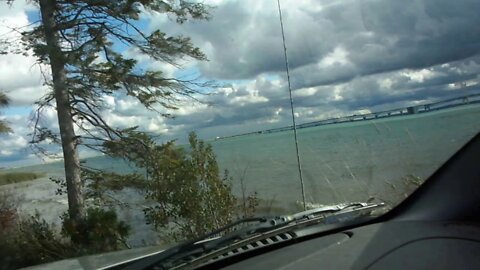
416	109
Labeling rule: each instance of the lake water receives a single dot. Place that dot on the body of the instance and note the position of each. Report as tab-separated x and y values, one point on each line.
349	161
341	162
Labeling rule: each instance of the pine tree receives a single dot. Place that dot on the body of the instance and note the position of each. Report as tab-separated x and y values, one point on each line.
77	40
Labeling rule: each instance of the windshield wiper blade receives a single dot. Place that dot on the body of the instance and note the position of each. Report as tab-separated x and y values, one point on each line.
188	247
209	242
322	210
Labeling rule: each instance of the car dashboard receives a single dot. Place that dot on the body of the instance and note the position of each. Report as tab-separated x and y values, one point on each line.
392	245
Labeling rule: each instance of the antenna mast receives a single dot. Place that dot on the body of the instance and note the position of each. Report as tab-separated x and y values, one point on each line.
299	164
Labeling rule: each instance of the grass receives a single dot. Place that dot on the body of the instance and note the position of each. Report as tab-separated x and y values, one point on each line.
16	177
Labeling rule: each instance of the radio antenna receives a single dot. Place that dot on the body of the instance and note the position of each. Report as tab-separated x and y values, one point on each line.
299	163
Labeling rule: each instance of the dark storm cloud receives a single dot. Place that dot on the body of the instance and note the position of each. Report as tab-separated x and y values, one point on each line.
425	94
243	38
239	106
393	35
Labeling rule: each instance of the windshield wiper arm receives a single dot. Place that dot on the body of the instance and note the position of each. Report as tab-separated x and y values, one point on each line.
192	245
208	242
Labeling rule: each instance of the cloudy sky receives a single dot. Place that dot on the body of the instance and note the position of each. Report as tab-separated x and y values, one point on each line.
345	57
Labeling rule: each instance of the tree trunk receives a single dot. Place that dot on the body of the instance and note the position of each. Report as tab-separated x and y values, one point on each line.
65	122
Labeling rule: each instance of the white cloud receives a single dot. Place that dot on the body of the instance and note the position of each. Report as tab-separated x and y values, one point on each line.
305	92
127	104
5	153
385	83
192	108
337	56
420	75
12	146
109	102
17	7
20	76
157	125
121	121
25	95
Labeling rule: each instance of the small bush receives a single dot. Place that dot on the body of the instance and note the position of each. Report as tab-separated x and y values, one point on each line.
186	194
26	241
32	241
101	231
8	209
188	191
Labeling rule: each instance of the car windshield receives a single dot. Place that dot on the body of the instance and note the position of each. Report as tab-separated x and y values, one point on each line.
130	124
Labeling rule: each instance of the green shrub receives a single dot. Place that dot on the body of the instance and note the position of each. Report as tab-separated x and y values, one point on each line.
190	196
32	241
8	209
101	231
186	194
26	241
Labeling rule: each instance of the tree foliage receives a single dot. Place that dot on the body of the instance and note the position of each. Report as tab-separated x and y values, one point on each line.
100	231
83	43
188	196
91	35
3	125
32	241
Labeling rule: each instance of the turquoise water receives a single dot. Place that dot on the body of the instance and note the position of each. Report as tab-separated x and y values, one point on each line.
349	161
342	162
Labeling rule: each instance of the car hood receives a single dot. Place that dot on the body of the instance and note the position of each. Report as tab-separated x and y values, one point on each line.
100	261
